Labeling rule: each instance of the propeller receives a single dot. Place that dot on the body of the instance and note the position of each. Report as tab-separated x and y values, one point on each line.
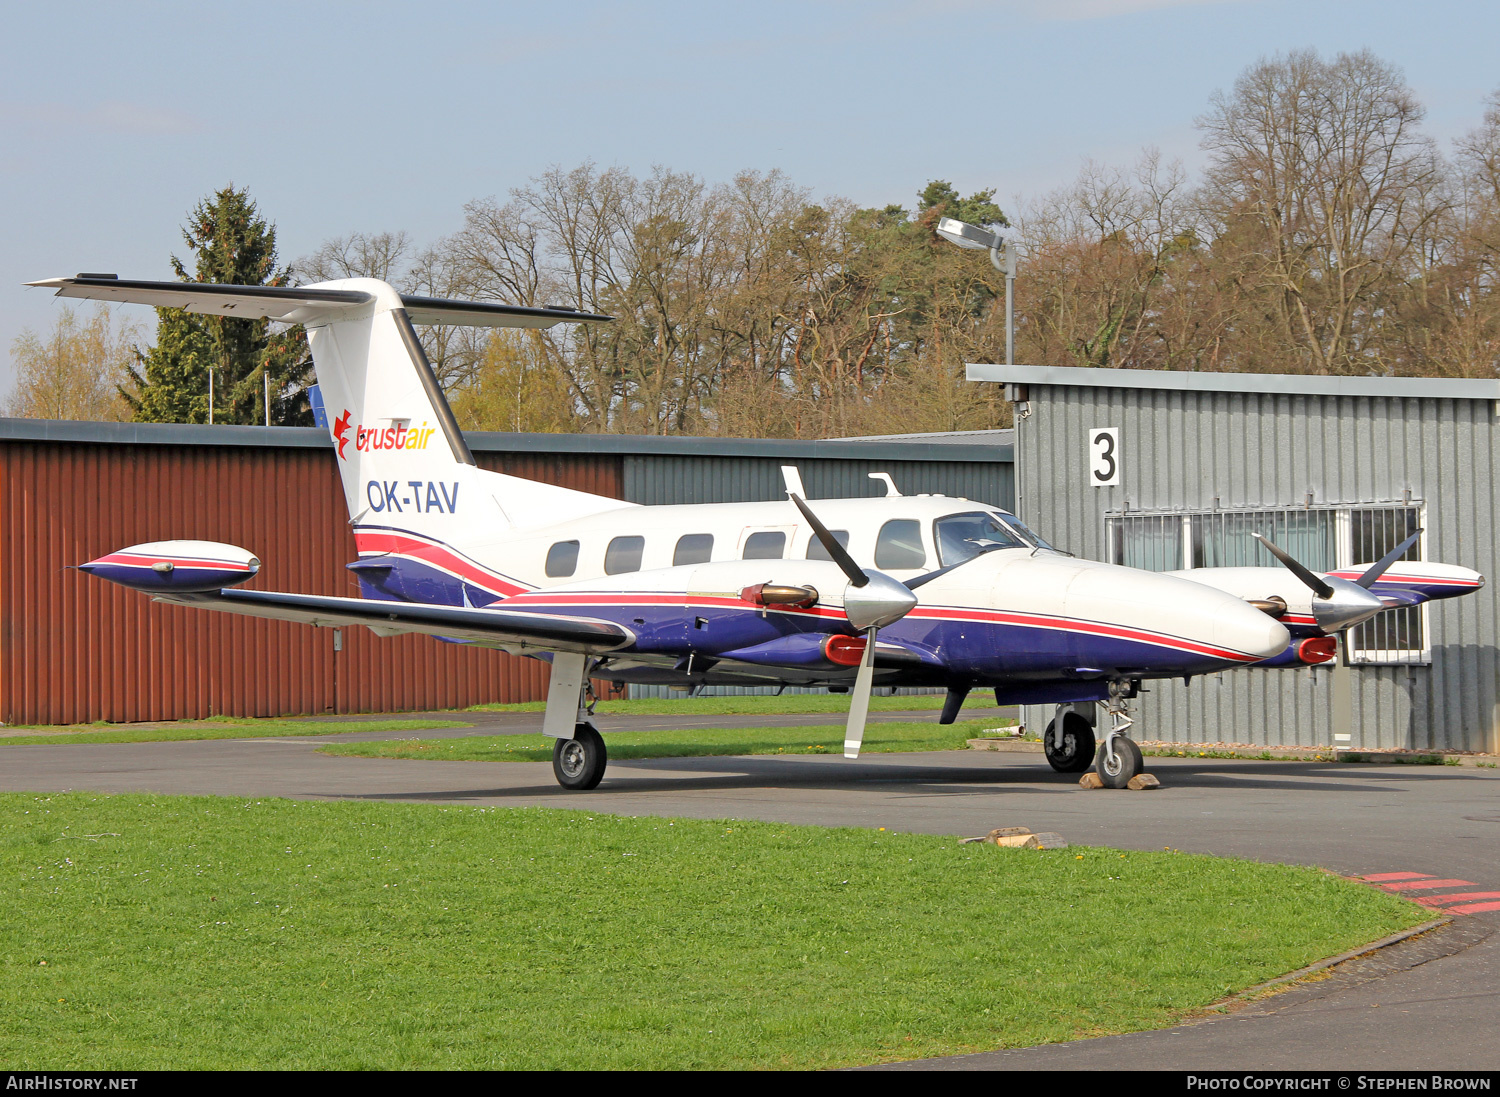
1337	603
872	601
1367	580
1318	586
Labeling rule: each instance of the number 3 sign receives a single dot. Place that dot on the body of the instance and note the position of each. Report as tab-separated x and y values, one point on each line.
1104	456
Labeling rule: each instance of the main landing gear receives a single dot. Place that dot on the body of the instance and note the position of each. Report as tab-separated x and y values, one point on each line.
1069	741
578	763
578	756
1119	758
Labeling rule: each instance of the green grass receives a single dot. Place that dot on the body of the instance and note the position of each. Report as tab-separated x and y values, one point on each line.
218	727
882	738
1249	755
150	932
786	704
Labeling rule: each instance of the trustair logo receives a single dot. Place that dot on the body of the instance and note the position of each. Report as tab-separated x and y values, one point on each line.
396	436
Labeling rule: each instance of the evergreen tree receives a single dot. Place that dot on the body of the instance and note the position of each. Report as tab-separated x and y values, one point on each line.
232	244
977	209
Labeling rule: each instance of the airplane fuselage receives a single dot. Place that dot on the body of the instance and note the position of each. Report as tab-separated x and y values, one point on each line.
1019	616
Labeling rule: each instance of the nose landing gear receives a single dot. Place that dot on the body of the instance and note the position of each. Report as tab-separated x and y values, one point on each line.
1119	758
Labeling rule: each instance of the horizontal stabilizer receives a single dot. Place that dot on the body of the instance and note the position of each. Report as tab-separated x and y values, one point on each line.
247	302
490	314
304	303
497	627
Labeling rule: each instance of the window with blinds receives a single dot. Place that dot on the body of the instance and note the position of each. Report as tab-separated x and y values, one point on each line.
1323	538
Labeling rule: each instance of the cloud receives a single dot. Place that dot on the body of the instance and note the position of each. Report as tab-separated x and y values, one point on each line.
113	116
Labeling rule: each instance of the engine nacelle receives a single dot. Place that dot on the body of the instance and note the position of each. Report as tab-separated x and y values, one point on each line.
181	566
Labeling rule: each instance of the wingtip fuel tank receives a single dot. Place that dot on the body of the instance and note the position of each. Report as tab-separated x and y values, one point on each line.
176	566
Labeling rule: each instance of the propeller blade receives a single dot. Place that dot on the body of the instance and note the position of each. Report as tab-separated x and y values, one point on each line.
837	552
859	703
1367	580
1318	586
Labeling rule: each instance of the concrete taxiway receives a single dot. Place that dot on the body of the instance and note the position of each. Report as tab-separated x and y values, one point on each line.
1428	1003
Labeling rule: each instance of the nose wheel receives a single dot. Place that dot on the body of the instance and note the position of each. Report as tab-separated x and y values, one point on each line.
1119	758
578	763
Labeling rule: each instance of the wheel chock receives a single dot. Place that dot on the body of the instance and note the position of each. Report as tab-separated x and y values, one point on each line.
1090	779
1019	838
1142	781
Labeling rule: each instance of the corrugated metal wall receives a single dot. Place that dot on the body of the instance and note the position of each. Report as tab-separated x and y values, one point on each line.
1192	450
74	649
692	479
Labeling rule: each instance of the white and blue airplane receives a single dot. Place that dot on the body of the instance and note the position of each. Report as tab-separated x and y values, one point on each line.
922	591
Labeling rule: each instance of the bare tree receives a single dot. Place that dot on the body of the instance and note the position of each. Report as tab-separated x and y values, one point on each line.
76	370
1324	164
1114	271
359	255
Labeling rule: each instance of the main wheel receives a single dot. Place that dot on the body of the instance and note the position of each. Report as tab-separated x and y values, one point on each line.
579	762
1127	763
1077	750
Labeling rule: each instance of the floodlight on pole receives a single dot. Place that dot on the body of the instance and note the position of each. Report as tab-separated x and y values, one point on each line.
1002	256
966	235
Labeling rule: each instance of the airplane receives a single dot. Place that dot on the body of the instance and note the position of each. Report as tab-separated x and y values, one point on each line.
845	594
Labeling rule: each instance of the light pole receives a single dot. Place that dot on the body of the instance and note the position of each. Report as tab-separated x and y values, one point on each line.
1002	255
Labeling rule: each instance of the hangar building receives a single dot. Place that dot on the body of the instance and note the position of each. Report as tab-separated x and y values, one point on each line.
74	649
1168	470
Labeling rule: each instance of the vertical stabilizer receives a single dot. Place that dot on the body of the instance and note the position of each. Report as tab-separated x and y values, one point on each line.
404	462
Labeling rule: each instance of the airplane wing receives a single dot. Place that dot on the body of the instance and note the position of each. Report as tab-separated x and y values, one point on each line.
494	627
294	305
1411	582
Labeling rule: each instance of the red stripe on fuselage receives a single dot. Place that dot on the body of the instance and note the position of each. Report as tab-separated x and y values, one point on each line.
434	554
939	613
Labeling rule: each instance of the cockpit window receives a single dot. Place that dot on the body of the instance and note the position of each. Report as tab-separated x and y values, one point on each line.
962	537
1026	532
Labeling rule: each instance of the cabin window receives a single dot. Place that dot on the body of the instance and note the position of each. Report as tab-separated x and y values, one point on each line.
815	549
562	559
962	537
693	548
624	554
765	545
900	545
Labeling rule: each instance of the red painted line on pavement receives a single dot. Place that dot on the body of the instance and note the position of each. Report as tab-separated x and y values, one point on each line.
1459	897
1377	877
1422	885
1473	908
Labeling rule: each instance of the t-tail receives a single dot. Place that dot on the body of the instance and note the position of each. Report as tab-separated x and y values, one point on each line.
408	475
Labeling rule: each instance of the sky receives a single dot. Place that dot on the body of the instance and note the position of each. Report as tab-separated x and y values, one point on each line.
115	119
